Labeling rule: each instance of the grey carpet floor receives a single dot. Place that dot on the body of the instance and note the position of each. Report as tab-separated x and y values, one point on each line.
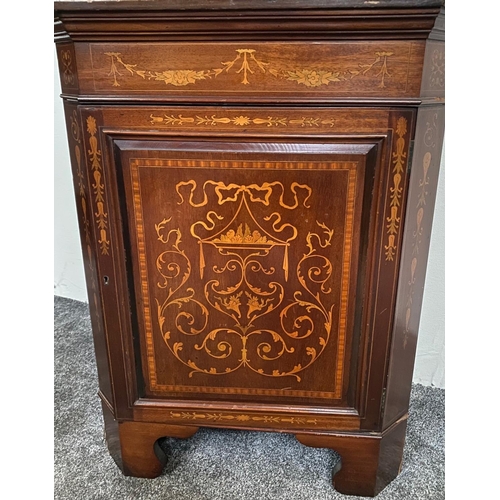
213	464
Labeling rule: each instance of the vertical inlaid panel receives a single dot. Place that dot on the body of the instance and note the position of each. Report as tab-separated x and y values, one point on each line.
386	254
417	226
83	195
108	251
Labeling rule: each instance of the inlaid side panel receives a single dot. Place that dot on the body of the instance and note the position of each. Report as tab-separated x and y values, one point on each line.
246	265
385	255
382	68
418	223
83	196
107	251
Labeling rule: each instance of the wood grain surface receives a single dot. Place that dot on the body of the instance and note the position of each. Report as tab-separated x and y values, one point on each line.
255	185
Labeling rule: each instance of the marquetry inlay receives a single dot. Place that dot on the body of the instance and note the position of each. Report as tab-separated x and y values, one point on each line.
430	137
76	142
241	418
67	67
399	159
437	74
237	278
241	121
246	63
101	215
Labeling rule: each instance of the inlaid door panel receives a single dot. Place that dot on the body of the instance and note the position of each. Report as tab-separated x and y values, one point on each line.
245	261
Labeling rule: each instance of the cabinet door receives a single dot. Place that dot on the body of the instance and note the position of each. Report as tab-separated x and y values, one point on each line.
245	264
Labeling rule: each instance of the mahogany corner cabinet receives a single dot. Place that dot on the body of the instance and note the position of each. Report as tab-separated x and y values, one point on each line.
255	184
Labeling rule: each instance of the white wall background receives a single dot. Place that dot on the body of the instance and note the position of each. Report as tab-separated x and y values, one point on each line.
69	280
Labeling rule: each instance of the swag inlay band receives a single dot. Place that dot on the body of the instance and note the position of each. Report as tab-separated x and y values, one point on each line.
246	63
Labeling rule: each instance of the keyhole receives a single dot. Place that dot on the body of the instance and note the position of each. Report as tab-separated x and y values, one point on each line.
106	280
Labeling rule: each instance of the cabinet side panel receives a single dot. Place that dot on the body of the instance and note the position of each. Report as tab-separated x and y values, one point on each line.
87	238
418	223
109	260
386	255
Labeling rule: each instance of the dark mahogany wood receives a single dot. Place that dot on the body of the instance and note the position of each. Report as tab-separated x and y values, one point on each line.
369	462
245	20
134	445
421	199
255	212
220	5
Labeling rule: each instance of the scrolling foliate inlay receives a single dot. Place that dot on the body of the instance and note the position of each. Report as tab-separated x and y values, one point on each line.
75	131
423	185
246	63
244	285
399	158
240	121
76	141
101	215
241	417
